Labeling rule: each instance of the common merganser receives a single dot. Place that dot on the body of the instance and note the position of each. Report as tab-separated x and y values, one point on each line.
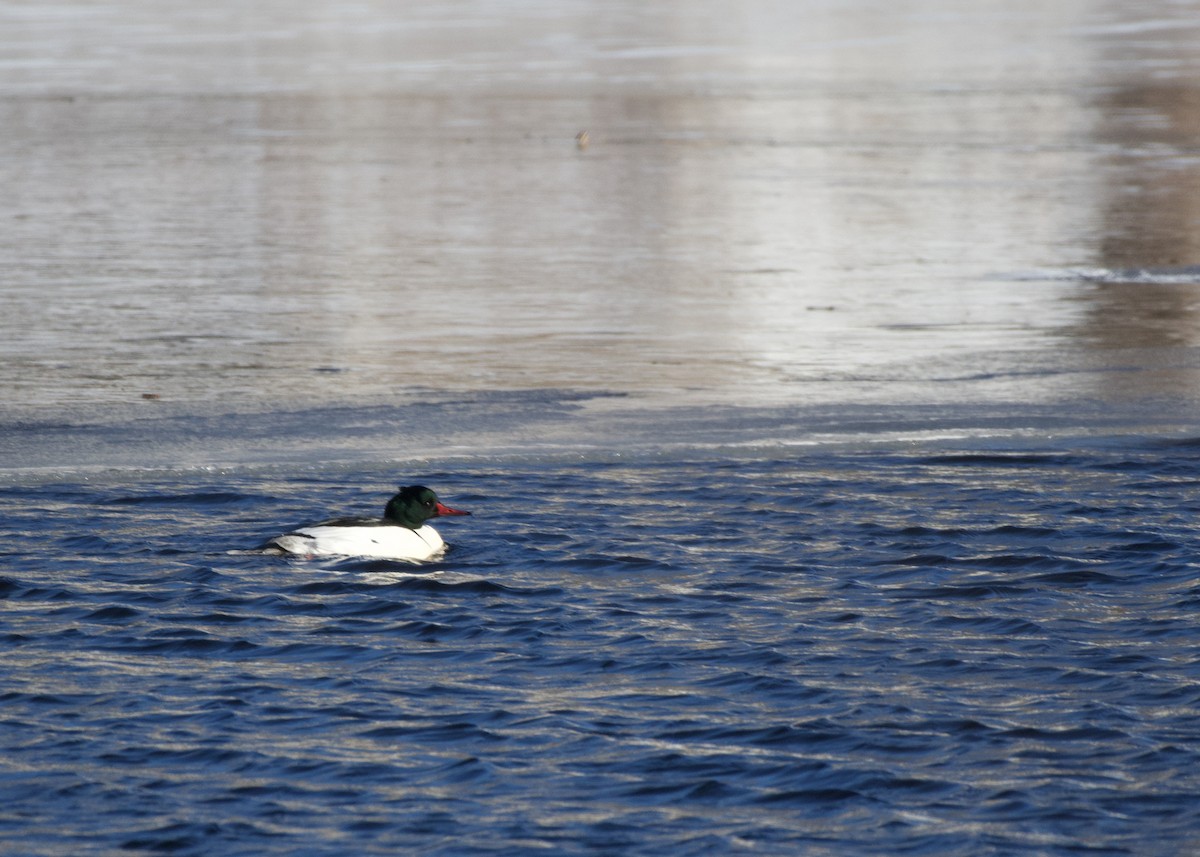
400	534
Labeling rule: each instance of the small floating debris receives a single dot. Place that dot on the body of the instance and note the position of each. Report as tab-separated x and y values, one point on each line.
582	140
151	396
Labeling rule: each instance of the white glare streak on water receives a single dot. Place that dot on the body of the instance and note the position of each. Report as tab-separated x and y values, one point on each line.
780	203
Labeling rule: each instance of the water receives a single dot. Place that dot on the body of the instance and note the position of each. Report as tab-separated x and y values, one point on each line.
907	650
829	423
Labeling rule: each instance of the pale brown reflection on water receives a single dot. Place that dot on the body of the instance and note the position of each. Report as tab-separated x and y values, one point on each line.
779	203
1144	314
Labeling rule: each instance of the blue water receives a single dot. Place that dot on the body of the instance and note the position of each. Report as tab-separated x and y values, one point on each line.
970	646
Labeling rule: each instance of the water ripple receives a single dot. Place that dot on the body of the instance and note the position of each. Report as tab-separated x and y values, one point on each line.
881	652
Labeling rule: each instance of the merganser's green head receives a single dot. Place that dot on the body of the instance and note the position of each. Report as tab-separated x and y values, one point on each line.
416	504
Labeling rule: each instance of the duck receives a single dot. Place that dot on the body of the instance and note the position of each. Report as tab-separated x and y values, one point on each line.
401	534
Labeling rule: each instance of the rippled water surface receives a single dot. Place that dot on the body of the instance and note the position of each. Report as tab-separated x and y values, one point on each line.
824	379
916	649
